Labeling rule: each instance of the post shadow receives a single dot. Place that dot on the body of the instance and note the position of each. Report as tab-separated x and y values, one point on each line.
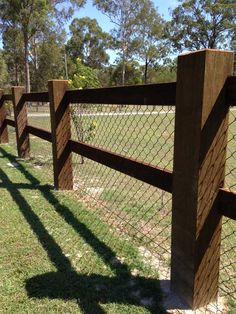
66	283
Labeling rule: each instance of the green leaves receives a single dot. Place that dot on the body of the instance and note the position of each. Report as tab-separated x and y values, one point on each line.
200	24
88	42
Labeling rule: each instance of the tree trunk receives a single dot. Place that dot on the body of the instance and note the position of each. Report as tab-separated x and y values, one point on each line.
145	71
26	61
123	67
16	75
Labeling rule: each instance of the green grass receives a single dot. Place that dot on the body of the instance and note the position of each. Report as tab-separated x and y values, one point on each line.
58	257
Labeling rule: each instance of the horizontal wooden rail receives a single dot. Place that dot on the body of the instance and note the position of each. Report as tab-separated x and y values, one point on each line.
43	134
231	91
7	97
36	97
157	177
227	201
10	122
154	94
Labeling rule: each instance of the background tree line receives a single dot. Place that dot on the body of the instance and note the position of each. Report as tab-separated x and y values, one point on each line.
36	48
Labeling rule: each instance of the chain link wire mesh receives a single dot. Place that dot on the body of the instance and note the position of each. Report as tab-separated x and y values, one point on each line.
228	244
41	150
132	209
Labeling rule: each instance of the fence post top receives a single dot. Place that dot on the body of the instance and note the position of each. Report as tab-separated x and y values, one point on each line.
66	81
205	51
18	87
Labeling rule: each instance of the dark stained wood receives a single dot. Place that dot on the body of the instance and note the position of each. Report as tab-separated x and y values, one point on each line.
43	134
3	125
231	91
7	97
157	177
36	97
154	94
10	122
61	134
20	117
199	164
227	206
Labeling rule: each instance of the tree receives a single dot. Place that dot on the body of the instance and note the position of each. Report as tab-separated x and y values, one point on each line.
150	46
30	17
88	42
4	77
123	14
198	24
13	51
47	59
132	72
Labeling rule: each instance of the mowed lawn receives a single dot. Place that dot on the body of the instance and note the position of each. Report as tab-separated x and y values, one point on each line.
58	257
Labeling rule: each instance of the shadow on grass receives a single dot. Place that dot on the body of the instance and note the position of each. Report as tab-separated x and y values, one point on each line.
66	283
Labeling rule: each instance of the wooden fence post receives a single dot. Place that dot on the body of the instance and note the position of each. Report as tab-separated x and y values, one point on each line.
61	134
3	125
21	120
199	167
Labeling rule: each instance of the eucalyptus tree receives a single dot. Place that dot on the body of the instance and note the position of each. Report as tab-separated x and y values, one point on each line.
122	13
198	24
31	16
13	52
149	33
88	42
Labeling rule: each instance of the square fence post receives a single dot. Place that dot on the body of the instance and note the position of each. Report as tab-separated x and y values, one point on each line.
199	170
21	121
3	125
61	134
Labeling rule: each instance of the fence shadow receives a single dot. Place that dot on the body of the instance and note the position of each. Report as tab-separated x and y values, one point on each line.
66	283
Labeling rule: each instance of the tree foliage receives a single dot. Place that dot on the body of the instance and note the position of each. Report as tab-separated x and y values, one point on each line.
198	24
88	42
31	16
123	14
149	33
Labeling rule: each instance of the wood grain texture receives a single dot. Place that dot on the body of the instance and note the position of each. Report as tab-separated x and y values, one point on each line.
227	206
199	163
37	97
41	133
157	177
231	91
162	94
20	117
61	134
3	125
10	122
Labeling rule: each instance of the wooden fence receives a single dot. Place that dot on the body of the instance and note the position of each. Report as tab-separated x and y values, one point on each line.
202	95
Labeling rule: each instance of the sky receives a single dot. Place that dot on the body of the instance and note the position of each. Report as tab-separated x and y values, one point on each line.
90	11
104	22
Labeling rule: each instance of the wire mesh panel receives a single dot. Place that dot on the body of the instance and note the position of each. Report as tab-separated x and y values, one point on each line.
228	245
130	207
41	150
